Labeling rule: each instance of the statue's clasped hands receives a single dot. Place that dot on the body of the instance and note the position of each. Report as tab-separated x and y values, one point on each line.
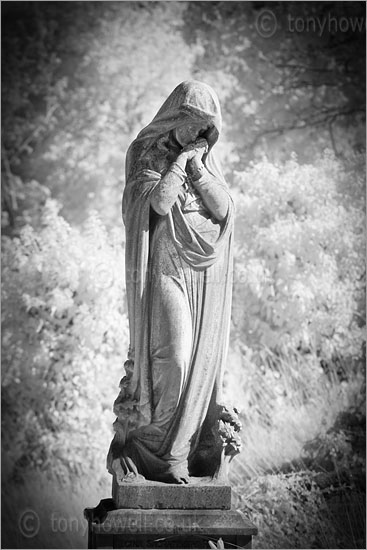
196	149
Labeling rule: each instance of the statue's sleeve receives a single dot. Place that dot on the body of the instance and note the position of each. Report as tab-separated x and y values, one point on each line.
167	190
214	194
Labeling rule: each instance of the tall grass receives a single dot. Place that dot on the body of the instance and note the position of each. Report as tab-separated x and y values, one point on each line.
285	402
290	410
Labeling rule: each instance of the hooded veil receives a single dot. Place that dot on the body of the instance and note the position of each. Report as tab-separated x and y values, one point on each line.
203	286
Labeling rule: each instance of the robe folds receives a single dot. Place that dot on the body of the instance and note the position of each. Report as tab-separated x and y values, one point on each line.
179	283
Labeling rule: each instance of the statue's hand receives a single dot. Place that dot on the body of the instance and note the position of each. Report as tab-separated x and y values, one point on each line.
196	149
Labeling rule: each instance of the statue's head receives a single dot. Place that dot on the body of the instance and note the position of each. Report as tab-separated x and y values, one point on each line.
192	110
195	111
196	99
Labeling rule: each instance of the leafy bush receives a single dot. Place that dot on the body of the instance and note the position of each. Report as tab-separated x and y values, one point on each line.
79	84
289	511
64	340
300	257
289	91
315	502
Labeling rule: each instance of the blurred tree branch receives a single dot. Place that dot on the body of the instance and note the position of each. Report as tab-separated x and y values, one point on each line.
289	80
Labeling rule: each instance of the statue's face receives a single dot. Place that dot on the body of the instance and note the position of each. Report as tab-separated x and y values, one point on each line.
190	132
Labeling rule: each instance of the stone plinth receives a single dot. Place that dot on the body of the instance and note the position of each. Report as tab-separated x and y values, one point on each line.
129	528
154	495
161	515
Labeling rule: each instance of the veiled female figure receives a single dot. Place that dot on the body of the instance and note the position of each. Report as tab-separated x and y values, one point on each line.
178	215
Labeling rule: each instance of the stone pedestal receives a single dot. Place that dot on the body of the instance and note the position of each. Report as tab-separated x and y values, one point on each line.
153	495
159	515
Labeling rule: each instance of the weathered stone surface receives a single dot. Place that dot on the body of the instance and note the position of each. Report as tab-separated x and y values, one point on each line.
154	495
165	522
178	215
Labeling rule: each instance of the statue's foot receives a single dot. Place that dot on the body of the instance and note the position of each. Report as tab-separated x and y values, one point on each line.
181	480
179	477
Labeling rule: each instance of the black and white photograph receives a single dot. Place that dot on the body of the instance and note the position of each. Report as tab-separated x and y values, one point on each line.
183	248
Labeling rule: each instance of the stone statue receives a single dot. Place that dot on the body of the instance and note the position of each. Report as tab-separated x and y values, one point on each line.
178	215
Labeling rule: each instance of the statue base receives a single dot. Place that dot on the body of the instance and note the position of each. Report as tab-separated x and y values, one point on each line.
198	495
156	523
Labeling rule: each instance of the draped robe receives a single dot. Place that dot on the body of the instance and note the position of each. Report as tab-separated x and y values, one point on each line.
179	280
